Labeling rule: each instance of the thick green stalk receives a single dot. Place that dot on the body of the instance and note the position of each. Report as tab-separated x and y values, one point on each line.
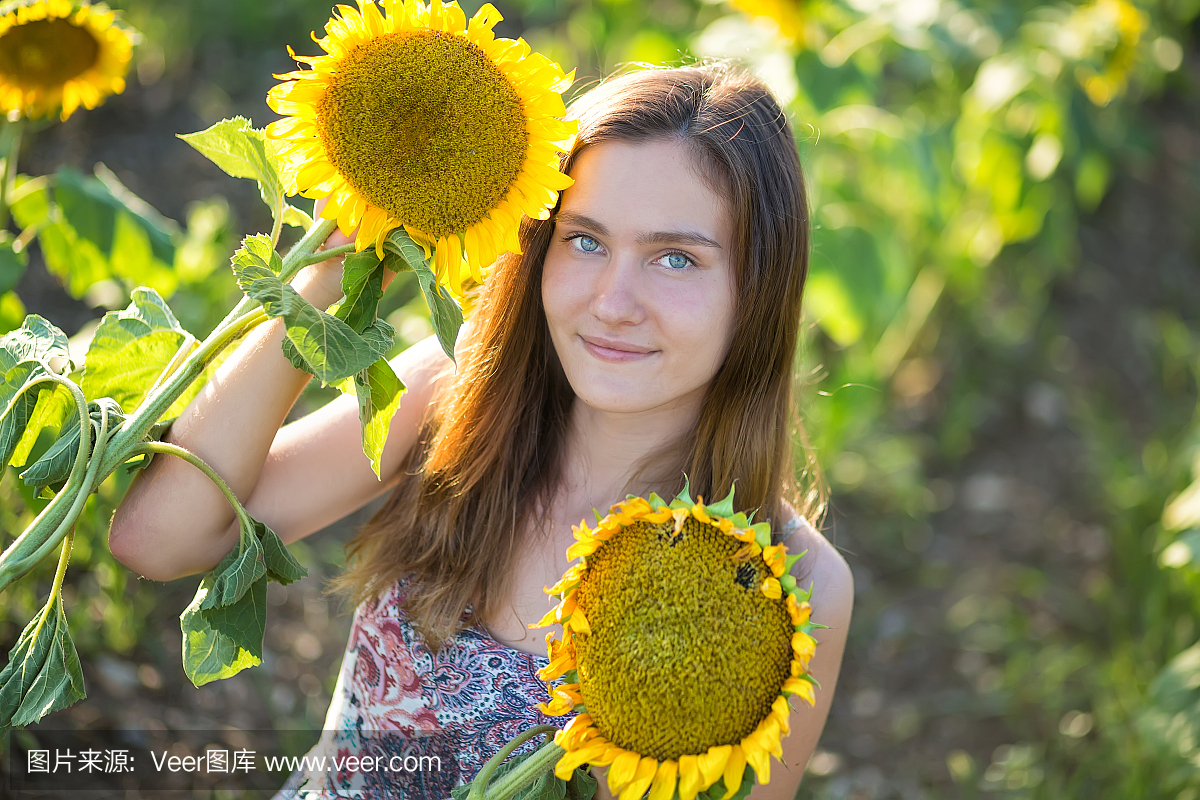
91	480
10	147
16	559
241	317
520	776
156	403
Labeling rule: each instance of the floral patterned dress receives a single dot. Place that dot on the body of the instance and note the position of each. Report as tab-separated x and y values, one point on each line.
409	724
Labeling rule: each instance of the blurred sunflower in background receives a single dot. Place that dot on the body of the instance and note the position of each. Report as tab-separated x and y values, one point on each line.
58	54
683	636
418	117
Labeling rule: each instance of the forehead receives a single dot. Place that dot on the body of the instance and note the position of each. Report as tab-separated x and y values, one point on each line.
649	185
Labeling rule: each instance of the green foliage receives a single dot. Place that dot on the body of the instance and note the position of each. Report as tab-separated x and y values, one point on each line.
132	348
320	343
12	263
240	150
93	229
444	311
43	672
25	362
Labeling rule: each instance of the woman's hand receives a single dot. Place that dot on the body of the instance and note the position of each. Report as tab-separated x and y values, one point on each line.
321	283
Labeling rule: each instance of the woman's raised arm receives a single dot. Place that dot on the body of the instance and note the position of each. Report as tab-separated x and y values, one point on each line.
175	522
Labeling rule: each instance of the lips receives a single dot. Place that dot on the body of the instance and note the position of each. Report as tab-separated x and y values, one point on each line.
615	351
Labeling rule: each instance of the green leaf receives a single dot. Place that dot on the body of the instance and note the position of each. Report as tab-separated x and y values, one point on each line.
55	407
209	654
379	336
129	351
282	566
321	343
240	568
362	283
547	786
94	229
35	340
25	360
244	622
378	390
241	151
93	207
12	263
582	785
19	395
55	464
296	218
43	672
444	311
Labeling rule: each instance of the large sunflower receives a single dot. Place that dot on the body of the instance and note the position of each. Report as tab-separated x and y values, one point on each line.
60	54
683	635
417	117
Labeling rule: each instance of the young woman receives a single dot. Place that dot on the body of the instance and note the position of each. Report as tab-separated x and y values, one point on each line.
648	330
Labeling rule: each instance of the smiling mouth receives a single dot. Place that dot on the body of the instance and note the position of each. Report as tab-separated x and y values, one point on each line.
615	352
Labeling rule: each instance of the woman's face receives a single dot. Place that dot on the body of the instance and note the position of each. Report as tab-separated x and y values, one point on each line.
638	282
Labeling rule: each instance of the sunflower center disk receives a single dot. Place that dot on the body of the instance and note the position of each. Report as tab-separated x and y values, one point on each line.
685	651
46	52
424	126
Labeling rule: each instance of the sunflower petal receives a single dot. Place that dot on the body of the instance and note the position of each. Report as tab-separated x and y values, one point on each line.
735	769
689	777
622	771
663	786
712	764
647	768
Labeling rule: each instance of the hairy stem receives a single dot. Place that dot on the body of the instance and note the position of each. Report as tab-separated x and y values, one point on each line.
236	321
13	559
520	776
322	255
10	148
200	464
55	597
21	565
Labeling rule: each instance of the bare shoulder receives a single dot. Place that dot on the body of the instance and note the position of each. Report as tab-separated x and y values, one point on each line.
825	568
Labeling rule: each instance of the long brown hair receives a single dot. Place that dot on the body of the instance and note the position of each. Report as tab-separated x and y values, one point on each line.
486	465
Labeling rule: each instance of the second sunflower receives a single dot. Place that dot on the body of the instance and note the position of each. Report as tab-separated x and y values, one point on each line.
418	117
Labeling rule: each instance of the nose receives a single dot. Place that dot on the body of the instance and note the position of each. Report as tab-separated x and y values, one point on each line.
617	293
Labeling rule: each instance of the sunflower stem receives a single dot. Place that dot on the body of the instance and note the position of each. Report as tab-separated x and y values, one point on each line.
10	148
521	775
187	455
293	262
17	559
323	255
277	222
243	316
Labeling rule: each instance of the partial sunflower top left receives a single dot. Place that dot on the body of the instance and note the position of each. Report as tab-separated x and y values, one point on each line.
418	117
58	55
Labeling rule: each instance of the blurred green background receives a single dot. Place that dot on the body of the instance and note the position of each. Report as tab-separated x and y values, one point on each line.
999	375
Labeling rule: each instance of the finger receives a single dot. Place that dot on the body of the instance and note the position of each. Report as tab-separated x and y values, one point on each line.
337	238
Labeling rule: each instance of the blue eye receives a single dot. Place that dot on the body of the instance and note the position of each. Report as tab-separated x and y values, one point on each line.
587	244
677	261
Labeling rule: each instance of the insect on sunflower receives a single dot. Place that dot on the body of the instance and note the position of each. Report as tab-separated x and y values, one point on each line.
683	636
59	54
418	117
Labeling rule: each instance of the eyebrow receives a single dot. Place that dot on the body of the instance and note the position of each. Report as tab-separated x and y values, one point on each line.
656	237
